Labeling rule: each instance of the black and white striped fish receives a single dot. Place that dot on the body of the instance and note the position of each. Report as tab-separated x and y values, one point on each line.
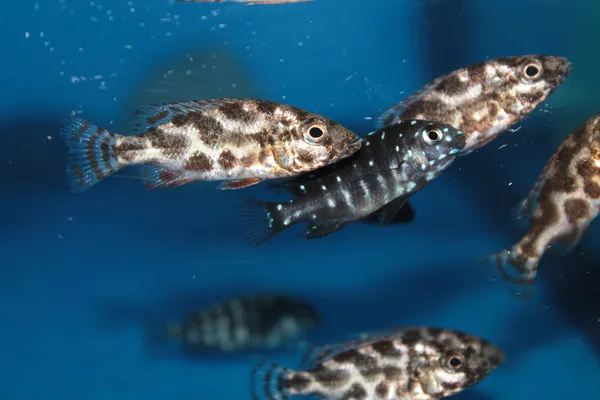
267	321
417	363
392	164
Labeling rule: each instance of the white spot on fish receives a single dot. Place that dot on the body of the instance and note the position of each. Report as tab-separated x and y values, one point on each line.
371	163
286	222
448	138
314	216
413	122
445	130
454	151
442	156
399	135
423	166
324	187
397	148
368	143
279	207
302	187
338	178
330	203
383	136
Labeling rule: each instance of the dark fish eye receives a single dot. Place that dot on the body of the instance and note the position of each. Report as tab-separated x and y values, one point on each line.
432	136
454	362
532	70
315	131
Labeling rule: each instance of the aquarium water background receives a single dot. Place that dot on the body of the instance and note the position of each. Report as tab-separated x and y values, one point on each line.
83	276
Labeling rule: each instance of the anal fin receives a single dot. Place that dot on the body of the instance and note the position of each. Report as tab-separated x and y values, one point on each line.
158	178
567	243
239	183
318	229
387	213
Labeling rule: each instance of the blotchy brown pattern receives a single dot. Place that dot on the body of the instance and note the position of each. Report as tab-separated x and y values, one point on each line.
563	202
484	99
410	363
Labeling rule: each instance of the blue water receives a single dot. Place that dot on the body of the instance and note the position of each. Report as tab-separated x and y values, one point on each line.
81	275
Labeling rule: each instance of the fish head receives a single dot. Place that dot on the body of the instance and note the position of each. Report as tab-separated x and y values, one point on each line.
451	361
498	93
429	146
319	141
532	79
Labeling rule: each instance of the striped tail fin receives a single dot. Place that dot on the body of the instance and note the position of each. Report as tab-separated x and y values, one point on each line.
92	153
516	271
269	382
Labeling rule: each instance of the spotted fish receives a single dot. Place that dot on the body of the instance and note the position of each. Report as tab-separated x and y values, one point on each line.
561	205
267	321
392	164
484	99
240	141
418	363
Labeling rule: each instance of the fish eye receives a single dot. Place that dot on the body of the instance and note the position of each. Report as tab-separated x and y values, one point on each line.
432	136
454	362
315	131
532	70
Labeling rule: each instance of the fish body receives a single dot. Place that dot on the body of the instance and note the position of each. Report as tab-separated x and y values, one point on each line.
392	164
559	208
240	141
252	322
418	363
247	2
486	98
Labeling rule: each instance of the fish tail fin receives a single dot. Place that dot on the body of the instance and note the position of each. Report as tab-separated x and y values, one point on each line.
269	381
517	271
262	220
92	153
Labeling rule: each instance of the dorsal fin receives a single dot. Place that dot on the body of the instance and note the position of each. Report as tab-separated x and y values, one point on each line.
153	115
315	355
395	111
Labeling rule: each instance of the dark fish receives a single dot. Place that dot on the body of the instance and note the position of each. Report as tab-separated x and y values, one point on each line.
392	164
484	99
559	208
247	323
241	141
419	363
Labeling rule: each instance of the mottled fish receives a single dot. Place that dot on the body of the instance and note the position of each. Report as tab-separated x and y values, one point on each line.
419	363
486	98
392	164
559	208
240	141
267	321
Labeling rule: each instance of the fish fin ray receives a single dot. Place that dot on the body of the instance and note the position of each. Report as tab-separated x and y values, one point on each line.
388	212
240	183
315	355
319	229
92	153
155	177
517	273
262	220
149	116
393	114
269	381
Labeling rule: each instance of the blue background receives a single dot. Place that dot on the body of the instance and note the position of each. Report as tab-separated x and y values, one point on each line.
82	276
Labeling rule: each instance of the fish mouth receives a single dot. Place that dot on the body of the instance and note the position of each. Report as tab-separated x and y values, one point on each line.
352	147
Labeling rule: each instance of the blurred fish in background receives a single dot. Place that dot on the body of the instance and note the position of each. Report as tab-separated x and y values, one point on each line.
252	322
